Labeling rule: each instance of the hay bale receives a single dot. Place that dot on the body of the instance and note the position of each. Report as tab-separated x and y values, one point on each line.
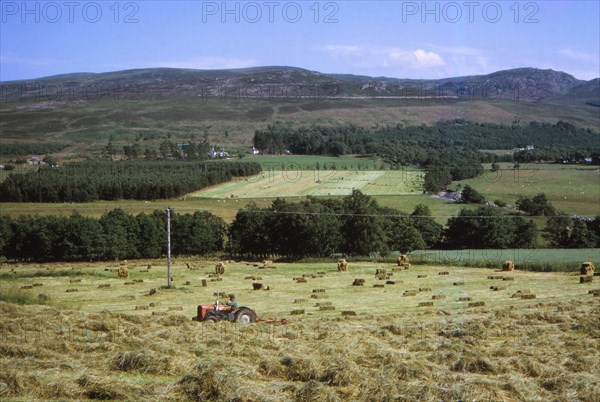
508	278
297	312
154	304
71	290
519	293
390	282
347	313
477	304
104	285
204	284
458	283
409	293
43	297
426	304
424	289
464	299
444	273
37	285
498	288
319	291
138	280
149	267
324	308
257	286
298	301
321	272
27	287
188	282
421	276
586	279
380	271
300	280
528	296
143	270
587	269
438	297
358	282
319	296
403	261
495	277
594	292
342	265
220	268
323	304
378	285
216	279
508	265
152	292
123	272
130	283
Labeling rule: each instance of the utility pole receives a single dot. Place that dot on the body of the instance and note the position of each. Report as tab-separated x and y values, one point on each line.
168	247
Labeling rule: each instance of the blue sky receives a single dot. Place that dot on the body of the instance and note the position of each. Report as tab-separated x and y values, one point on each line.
405	39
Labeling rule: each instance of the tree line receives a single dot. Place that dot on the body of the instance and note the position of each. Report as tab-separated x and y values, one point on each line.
115	235
108	180
354	225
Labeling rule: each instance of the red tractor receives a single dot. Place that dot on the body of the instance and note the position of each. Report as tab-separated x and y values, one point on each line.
218	312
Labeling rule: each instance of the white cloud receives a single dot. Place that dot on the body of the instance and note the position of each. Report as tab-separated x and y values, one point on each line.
577	55
415	59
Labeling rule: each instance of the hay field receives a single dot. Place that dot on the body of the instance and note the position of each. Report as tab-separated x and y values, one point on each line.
300	183
95	344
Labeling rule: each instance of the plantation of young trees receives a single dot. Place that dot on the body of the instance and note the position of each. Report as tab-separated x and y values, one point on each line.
107	180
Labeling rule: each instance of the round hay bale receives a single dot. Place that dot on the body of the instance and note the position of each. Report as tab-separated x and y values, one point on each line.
587	268
403	260
586	279
342	265
347	313
257	286
358	282
508	265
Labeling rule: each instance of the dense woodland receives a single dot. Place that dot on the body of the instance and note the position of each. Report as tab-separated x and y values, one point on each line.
107	180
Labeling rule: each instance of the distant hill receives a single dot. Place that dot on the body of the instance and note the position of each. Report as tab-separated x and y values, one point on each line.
227	106
516	84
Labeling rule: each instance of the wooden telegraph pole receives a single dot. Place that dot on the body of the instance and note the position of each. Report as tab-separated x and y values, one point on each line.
168	247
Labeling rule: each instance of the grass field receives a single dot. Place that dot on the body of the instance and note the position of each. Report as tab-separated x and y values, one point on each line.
310	162
299	183
570	188
121	343
519	256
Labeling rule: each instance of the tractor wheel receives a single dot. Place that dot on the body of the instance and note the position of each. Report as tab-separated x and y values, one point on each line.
210	319
245	315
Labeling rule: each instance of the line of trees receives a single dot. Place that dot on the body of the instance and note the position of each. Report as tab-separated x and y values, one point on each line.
108	180
353	225
115	235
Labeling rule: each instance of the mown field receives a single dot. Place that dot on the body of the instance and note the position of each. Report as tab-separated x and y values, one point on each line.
122	343
299	183
574	189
